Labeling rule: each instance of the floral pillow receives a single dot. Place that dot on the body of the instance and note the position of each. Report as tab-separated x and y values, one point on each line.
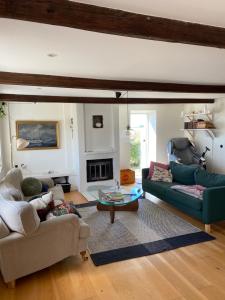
161	174
64	209
157	164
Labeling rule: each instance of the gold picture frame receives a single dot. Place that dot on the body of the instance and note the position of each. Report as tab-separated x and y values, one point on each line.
41	135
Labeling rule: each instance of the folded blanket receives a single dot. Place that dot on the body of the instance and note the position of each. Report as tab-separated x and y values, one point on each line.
192	190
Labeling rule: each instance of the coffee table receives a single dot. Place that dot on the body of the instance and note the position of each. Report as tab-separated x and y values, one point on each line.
129	203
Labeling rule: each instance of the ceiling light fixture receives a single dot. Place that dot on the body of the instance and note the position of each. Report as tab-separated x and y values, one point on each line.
52	55
128	132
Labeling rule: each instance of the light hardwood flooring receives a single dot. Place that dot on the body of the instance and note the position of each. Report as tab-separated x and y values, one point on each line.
192	273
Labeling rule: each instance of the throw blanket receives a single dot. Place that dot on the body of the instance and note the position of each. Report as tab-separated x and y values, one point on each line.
192	190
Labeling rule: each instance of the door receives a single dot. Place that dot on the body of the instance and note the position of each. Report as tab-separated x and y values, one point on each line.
143	140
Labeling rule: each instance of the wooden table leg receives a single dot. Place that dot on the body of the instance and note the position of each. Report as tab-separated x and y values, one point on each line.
112	214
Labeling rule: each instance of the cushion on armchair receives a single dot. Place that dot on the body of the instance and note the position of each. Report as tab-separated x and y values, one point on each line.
10	192
19	216
14	177
58	194
43	205
31	186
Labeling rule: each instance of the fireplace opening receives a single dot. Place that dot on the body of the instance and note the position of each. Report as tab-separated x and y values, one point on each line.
99	169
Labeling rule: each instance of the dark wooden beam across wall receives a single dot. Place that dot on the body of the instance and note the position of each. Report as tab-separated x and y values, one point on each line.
102	84
112	21
100	100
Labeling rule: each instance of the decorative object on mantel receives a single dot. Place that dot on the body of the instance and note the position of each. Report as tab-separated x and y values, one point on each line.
40	134
97	121
2	110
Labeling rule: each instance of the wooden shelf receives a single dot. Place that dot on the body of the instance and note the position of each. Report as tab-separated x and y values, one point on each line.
197	114
209	131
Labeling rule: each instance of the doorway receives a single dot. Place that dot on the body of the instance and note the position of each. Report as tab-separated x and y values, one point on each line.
143	140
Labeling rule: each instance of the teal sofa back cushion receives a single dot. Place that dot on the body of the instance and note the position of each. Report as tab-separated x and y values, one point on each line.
207	179
184	174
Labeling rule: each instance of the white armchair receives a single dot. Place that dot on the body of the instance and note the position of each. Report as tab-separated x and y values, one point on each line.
28	245
53	241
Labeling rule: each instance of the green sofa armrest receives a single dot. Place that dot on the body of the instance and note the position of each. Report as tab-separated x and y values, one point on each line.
145	173
213	204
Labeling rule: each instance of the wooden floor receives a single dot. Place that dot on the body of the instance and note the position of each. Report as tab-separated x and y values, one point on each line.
193	272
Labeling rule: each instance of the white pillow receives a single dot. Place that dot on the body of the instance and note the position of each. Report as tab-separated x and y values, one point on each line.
19	216
42	202
4	230
57	193
10	192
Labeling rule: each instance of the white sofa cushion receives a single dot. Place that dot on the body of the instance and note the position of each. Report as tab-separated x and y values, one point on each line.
42	202
4	230
10	192
14	177
19	216
58	194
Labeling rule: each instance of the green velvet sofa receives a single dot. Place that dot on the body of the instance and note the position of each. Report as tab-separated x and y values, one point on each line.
209	209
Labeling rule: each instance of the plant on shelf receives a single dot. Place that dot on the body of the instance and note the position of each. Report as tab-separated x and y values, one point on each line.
2	110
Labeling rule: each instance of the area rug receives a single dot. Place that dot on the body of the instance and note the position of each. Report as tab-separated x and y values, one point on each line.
150	230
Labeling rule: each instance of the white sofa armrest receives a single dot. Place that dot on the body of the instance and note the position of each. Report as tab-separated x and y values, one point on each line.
54	240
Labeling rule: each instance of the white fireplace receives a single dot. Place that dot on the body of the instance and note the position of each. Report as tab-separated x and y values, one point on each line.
98	146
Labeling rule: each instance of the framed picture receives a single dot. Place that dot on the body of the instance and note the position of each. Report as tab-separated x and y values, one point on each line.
97	121
40	134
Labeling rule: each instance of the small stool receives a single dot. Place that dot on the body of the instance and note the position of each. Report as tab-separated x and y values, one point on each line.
127	176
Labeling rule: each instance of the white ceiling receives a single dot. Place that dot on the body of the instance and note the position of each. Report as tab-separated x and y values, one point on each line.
24	47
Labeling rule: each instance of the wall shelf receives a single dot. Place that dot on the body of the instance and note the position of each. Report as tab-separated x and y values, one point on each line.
209	131
192	117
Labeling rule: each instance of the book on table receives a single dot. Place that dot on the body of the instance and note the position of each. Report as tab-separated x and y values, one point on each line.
110	196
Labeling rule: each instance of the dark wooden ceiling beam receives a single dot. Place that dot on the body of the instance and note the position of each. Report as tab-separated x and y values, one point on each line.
100	100
112	21
102	84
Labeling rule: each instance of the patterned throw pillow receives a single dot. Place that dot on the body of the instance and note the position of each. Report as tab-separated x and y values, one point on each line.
161	174
64	209
157	164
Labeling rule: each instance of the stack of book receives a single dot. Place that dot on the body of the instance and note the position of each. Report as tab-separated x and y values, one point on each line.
115	196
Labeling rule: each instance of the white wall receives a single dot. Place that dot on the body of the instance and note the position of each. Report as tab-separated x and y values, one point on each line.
42	161
99	139
66	159
216	157
168	125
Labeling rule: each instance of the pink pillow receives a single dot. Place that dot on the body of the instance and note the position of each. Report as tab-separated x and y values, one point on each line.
157	164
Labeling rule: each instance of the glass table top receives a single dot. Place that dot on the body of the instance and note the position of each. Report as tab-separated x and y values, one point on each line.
128	196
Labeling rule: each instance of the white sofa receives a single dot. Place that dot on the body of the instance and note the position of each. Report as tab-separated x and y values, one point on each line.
28	245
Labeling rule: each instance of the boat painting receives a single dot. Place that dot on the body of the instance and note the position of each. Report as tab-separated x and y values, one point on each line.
40	134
